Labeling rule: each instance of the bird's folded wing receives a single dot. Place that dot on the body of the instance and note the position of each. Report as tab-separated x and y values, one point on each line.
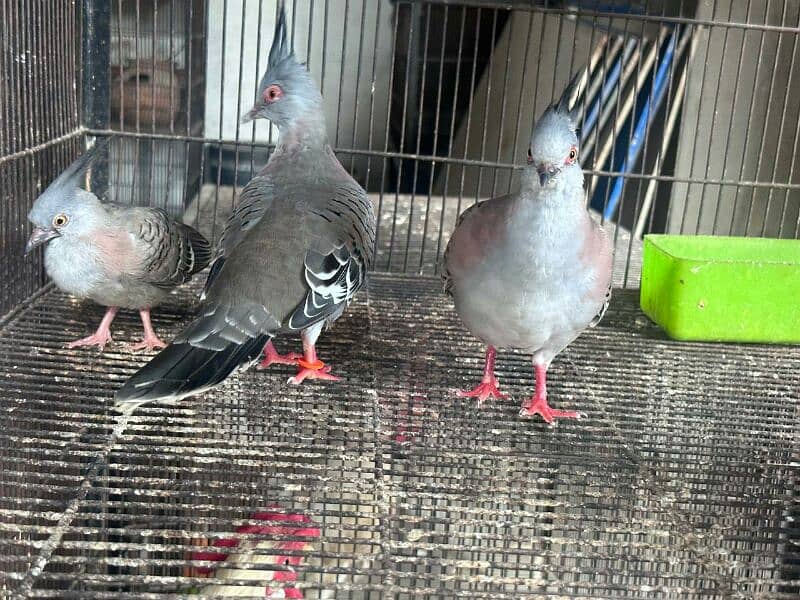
340	251
256	198
221	324
168	253
600	253
469	213
603	309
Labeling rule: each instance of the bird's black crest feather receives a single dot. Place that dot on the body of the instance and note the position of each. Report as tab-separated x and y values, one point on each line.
568	97
280	49
70	177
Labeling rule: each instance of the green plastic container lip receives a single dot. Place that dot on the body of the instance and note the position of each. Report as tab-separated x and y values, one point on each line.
728	249
713	288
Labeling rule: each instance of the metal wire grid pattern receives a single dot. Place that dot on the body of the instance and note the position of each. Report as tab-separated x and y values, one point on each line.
762	190
684	485
39	125
157	87
682	482
184	132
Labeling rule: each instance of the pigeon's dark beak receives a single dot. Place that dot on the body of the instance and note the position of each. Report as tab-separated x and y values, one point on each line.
249	115
40	236
546	172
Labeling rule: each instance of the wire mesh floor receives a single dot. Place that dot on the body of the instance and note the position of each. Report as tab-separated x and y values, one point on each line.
681	482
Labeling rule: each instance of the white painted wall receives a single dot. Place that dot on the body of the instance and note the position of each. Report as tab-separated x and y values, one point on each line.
732	130
241	76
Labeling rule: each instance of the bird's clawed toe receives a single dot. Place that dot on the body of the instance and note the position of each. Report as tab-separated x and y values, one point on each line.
148	344
271	357
99	339
539	406
317	370
484	390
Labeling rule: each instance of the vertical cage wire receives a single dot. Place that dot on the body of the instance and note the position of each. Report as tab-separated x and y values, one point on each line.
159	85
683	482
429	167
40	129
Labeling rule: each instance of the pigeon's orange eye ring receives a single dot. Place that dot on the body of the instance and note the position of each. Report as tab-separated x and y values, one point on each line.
60	220
272	93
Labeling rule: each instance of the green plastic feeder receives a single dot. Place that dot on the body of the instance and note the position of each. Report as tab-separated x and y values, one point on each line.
711	288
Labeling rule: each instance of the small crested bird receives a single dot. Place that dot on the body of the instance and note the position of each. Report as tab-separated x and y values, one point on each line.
291	257
532	270
118	256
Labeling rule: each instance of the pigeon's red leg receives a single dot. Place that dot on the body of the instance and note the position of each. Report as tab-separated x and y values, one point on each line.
538	404
151	340
100	337
488	385
310	366
271	357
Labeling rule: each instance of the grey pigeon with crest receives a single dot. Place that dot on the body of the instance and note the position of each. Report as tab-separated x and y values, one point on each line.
532	270
291	257
118	256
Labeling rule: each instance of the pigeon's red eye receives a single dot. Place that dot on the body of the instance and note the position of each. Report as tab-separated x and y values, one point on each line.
272	93
60	220
573	155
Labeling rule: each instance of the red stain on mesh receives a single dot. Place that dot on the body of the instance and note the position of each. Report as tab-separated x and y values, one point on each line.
407	426
300	530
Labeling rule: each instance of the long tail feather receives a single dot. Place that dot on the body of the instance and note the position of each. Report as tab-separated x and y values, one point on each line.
181	370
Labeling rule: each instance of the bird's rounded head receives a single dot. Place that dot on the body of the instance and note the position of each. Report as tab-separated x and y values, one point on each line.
65	209
554	147
68	214
287	94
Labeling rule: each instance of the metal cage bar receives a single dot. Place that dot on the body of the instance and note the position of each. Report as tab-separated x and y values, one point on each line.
682	483
410	178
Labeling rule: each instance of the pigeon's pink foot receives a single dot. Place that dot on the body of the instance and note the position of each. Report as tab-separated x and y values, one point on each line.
310	366
151	341
271	357
489	386
315	370
100	337
484	390
538	404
